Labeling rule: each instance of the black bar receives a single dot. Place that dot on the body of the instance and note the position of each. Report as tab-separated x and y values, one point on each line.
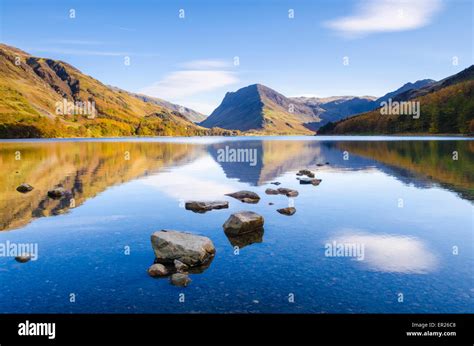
241	329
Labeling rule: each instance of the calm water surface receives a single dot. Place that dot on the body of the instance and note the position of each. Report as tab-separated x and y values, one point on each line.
405	199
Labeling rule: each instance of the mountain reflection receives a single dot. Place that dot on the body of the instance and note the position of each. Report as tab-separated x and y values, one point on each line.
83	168
419	163
87	168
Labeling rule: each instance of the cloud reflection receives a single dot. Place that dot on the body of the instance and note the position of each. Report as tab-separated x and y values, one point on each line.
392	253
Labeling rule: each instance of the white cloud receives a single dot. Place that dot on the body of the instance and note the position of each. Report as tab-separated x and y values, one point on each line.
179	84
208	64
375	16
203	107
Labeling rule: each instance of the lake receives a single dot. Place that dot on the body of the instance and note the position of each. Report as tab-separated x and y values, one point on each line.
405	204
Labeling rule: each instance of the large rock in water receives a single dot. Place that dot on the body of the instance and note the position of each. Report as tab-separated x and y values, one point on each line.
243	222
203	206
245	196
190	249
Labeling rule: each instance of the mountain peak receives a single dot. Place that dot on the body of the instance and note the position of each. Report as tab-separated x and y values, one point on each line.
257	107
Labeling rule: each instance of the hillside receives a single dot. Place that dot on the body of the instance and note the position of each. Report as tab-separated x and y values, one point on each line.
446	106
32	89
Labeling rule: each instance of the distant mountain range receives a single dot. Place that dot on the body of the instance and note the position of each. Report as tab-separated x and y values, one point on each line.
445	107
259	109
36	93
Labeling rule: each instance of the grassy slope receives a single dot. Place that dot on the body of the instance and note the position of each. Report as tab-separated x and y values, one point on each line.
30	90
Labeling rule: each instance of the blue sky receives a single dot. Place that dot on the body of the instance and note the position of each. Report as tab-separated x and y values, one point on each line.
191	60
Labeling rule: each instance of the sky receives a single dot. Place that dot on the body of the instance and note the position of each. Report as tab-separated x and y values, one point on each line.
193	52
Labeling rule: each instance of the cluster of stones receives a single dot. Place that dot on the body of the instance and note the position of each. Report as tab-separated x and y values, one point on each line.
55	193
307	177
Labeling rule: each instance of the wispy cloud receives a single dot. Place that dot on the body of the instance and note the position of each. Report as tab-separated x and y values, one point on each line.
67	51
196	77
87	52
374	16
207	64
75	42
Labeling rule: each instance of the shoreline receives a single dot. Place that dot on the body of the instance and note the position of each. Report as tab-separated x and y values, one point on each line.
209	139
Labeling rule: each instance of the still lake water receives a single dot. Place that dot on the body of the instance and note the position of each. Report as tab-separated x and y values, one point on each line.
404	199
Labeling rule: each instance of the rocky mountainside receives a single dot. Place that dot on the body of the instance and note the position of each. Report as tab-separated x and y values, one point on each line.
41	97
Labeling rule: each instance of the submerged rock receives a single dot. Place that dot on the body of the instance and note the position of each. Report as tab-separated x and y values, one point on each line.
288	192
245	196
243	222
204	206
180	279
24	188
246	239
190	249
157	270
56	193
23	258
271	192
287	211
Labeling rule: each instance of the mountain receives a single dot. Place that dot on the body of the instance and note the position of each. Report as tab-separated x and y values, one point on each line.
42	97
446	106
408	86
259	109
335	108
